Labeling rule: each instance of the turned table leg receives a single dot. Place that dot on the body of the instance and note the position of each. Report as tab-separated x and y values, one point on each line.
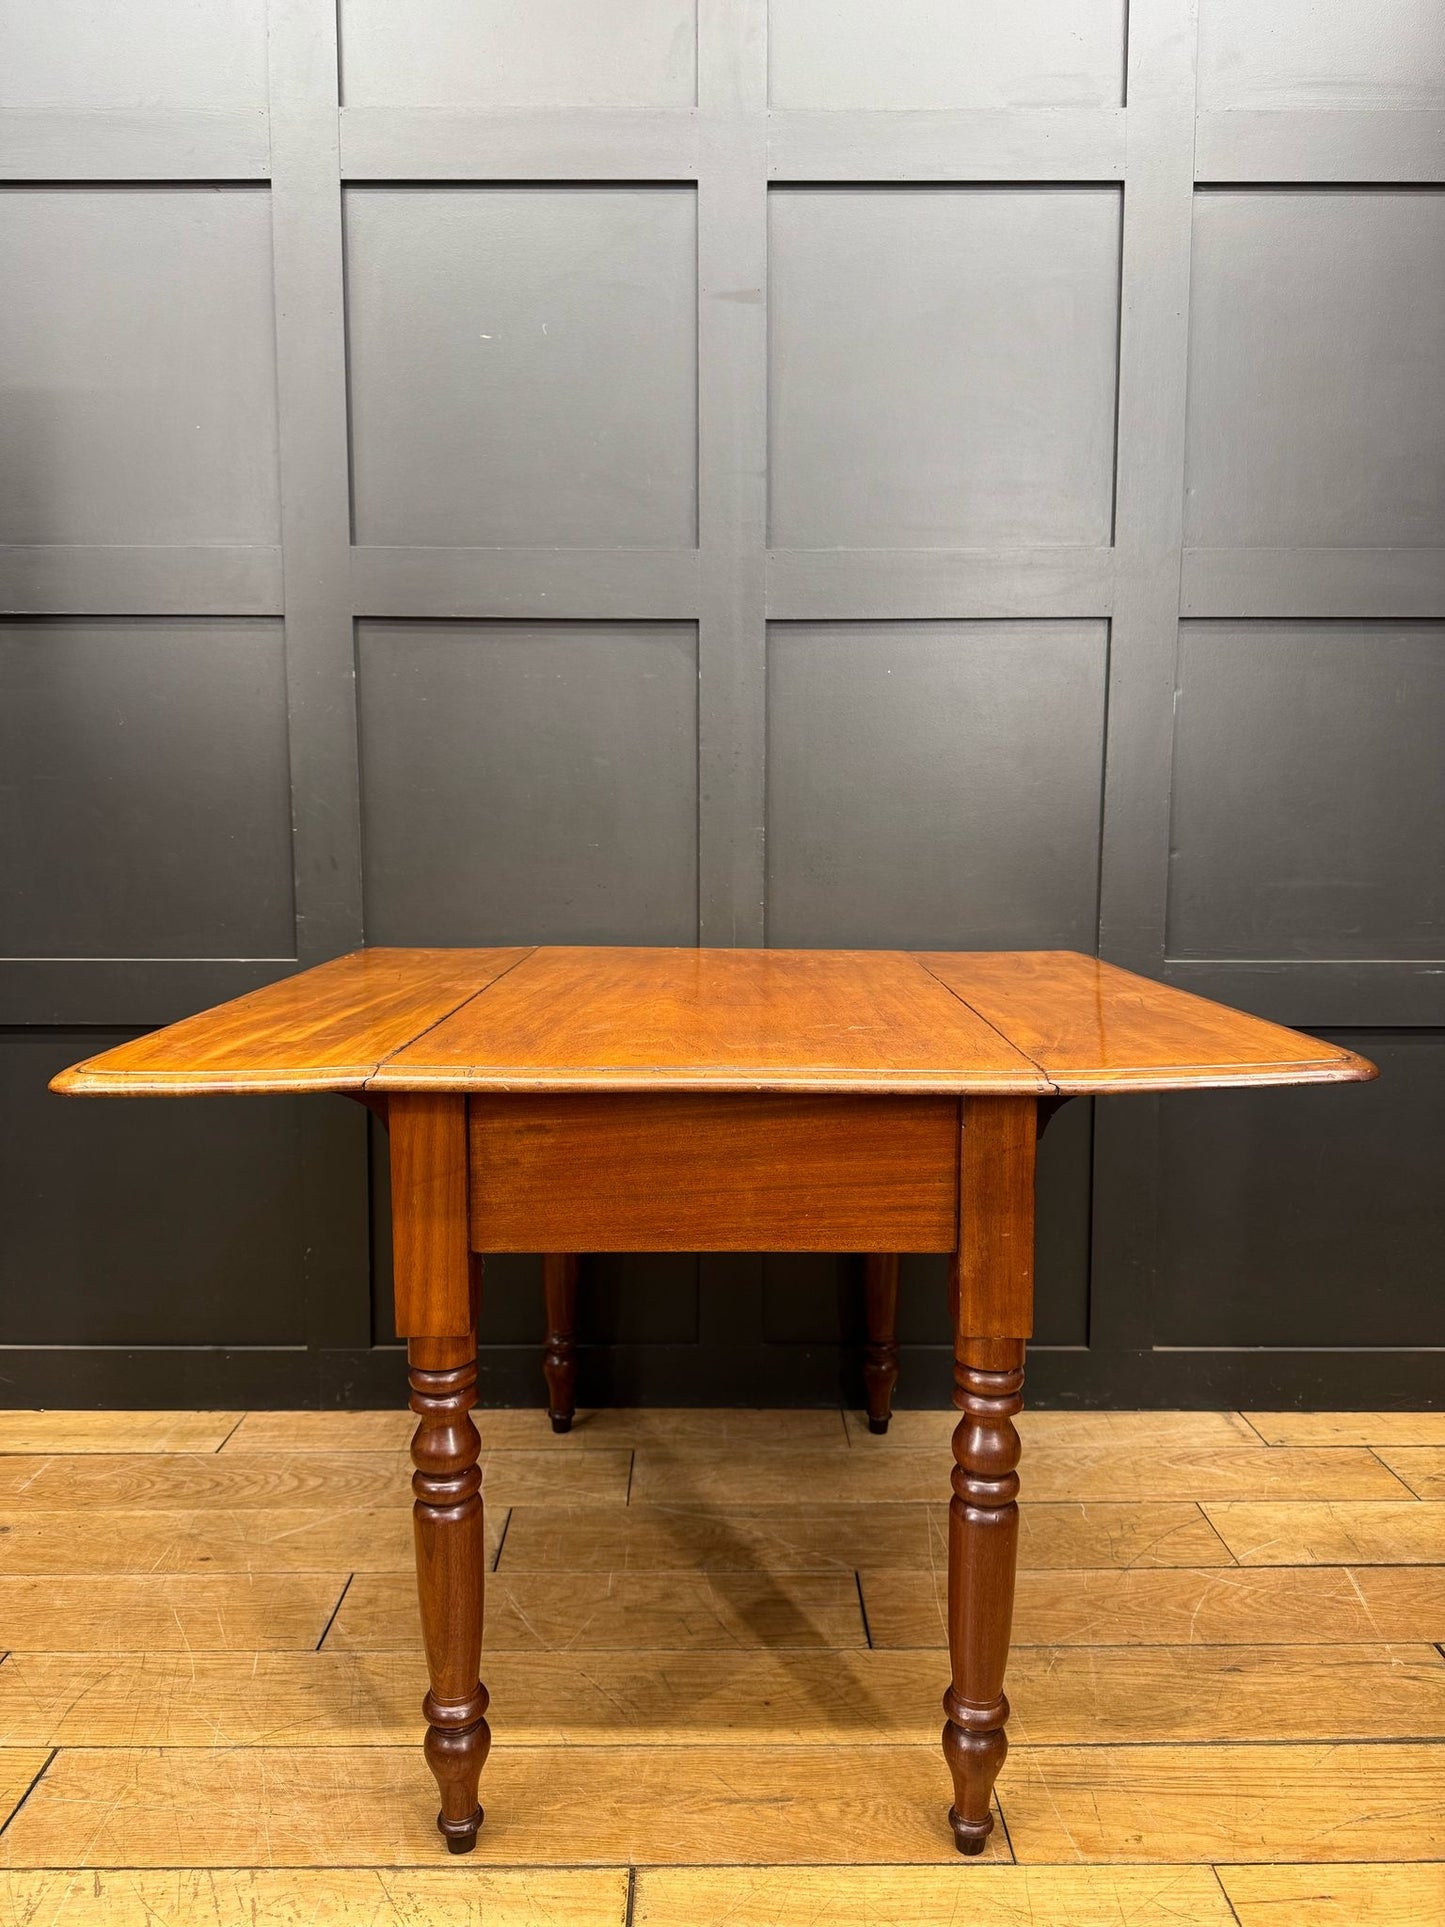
880	1357
983	1531
437	1282
559	1359
992	1317
450	1569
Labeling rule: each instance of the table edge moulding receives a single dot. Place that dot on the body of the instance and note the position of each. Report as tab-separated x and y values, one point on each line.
575	1098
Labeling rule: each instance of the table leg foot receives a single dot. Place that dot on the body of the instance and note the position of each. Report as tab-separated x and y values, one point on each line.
982	1555
968	1836
450	1569
460	1835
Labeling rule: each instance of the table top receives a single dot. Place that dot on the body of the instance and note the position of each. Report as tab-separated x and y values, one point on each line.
600	1018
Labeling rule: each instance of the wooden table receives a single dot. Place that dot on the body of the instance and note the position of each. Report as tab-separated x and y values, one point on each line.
713	1100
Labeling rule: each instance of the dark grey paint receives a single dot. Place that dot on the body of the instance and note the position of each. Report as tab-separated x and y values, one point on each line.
1317	369
529	782
137	366
1309	791
1029	373
523	365
142	1223
960	391
978	743
143	789
1304	1219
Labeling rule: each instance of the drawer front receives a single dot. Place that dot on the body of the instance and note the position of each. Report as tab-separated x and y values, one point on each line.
636	1172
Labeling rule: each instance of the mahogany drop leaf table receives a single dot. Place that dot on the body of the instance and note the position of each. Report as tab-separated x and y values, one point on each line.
609	1099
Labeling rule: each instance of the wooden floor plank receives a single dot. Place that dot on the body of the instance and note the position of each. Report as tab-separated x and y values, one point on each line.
1113	1695
230	1612
932	1431
829	1538
18	1768
466	1896
347	1432
115	1431
751	1477
620	1612
248	1480
1349	1428
545	1806
1412	1533
1059	1695
963	1896
1232	1605
1224	1802
1357	1896
613	1430
1422	1467
286	1539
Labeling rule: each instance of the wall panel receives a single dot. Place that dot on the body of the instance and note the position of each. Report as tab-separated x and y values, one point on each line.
172	55
519	53
529	783
935	785
146	770
523	365
137	366
1309	791
961	392
1300	54
1316	369
840	54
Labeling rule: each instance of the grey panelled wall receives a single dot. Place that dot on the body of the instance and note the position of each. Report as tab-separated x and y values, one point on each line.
697	470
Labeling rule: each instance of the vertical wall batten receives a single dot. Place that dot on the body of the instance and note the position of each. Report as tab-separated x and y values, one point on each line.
732	243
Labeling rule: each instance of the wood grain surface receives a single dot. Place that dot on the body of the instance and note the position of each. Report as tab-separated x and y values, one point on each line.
1282	1533
214	1611
327	1029
1090	1026
116	1431
748	1476
607	1018
628	1172
655	1611
692	1534
1348	1428
745	1020
546	1806
1179	1606
431	1260
926	1896
726	1695
1354	1896
298	1897
1227	1802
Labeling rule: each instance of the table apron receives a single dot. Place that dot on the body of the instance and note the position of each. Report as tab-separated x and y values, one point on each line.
701	1172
